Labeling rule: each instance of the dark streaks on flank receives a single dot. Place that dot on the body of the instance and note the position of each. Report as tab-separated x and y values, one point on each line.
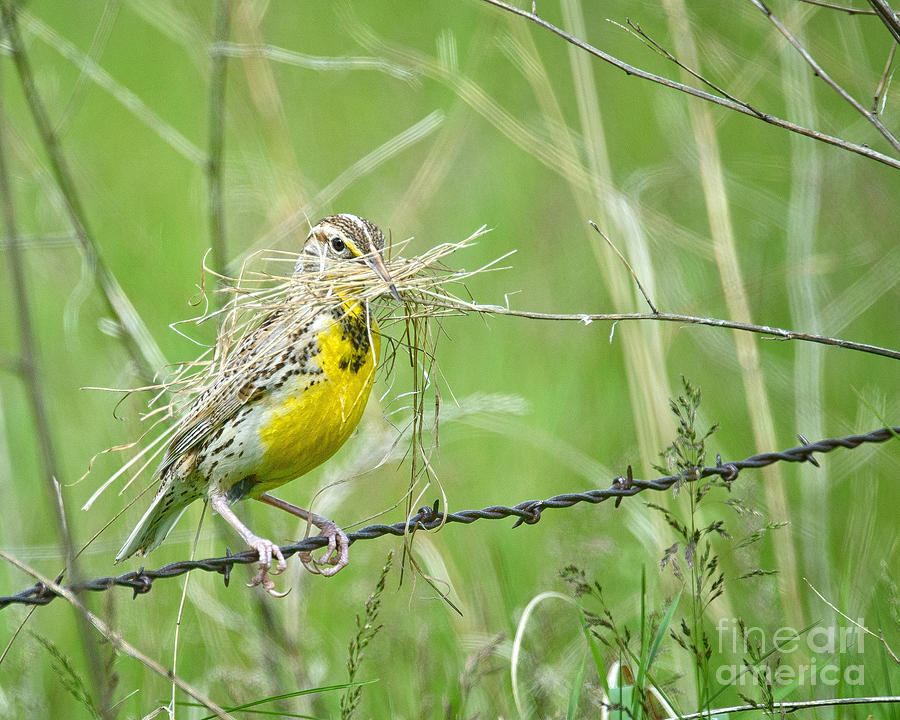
241	488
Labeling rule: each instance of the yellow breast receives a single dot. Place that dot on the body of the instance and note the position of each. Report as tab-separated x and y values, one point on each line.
311	416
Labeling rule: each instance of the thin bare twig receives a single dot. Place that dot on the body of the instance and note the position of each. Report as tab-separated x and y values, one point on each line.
627	265
849	619
15	634
116	639
587	318
634	29
822	73
740	107
841	8
887	15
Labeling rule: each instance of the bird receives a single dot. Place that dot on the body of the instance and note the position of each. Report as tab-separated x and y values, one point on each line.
289	395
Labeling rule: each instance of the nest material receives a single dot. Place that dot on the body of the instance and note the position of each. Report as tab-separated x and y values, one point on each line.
317	285
424	282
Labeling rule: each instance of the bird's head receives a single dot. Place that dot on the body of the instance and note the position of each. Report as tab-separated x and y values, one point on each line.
350	237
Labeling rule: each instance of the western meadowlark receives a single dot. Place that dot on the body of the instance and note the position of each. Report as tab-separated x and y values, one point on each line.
300	394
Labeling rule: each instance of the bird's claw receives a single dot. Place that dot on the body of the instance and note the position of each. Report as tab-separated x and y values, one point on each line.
266	550
336	556
268	584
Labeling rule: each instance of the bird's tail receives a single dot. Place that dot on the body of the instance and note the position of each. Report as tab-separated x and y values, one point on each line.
169	504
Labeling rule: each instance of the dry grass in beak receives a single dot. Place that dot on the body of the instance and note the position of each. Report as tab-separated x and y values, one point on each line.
407	291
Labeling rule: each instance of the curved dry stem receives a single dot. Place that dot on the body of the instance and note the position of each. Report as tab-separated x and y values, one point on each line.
775	333
739	107
116	639
822	73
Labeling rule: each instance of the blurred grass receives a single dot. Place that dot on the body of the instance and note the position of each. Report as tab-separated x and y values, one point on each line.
815	239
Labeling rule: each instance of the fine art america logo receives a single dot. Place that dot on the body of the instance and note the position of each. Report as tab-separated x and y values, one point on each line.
822	647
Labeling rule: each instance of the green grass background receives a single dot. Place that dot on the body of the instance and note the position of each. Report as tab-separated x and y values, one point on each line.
814	248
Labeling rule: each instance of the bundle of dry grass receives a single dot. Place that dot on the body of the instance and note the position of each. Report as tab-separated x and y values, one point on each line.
266	306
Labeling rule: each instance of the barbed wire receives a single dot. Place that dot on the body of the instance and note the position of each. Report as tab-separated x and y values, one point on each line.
430	517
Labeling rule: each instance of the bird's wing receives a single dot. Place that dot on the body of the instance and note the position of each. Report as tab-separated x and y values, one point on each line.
240	376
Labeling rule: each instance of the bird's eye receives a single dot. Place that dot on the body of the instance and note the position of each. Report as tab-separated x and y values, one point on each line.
337	244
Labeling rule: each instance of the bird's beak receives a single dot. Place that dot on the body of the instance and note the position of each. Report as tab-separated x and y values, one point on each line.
376	262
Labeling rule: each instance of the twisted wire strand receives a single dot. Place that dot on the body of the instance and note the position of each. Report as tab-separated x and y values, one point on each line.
430	517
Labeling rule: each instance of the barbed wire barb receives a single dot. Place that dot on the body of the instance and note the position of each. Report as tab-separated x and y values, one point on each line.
430	517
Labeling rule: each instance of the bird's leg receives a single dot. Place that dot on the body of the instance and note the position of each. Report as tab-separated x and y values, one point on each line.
338	553
265	548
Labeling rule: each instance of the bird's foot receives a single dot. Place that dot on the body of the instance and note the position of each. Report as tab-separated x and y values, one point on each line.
266	550
337	553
